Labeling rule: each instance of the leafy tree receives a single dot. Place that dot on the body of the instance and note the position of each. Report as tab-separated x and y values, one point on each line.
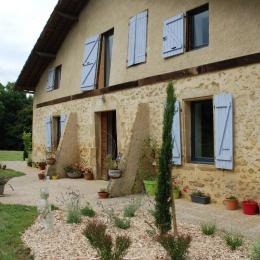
164	196
15	117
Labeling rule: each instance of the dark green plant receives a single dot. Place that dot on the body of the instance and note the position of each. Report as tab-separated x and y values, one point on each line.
103	243
198	193
73	216
88	211
175	246
231	197
27	143
208	228
130	210
164	199
254	252
53	207
233	240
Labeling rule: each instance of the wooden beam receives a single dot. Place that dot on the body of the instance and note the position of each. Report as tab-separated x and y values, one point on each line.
68	16
46	55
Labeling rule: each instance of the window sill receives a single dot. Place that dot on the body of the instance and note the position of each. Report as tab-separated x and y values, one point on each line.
201	166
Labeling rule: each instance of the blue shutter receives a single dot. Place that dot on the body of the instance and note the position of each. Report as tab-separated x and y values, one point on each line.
131	41
141	37
48	124
173	36
62	123
51	79
176	135
90	62
223	131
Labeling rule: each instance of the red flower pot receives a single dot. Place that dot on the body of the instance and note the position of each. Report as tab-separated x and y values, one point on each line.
249	207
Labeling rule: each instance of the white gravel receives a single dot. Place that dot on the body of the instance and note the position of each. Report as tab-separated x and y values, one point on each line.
68	242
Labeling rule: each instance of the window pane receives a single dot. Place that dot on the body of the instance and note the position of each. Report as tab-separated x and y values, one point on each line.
108	56
202	132
200	29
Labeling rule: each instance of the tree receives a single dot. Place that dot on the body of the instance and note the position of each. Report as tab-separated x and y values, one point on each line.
164	196
15	117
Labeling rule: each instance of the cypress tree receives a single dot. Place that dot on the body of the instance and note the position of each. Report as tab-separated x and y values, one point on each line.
163	196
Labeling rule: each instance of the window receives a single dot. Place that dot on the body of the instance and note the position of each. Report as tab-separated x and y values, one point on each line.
54	76
198	28
202	134
137	37
57	77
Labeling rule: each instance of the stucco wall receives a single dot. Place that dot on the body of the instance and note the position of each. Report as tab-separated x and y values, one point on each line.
233	31
243	83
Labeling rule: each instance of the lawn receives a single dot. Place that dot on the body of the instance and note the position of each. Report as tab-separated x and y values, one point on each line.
10	173
11	156
14	220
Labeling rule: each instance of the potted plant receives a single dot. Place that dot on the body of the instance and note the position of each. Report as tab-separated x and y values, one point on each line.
42	165
88	174
231	203
73	171
249	207
41	175
103	193
176	190
50	156
3	181
199	197
114	167
148	165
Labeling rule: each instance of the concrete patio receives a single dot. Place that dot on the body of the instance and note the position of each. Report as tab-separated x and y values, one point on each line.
26	191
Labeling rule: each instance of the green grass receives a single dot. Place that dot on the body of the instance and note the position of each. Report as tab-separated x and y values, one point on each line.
10	173
208	229
14	220
11	156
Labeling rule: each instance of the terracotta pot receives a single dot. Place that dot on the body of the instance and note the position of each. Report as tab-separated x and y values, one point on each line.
103	194
41	176
249	207
50	161
231	204
89	176
42	167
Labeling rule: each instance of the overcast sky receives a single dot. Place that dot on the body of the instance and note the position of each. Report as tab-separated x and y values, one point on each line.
21	22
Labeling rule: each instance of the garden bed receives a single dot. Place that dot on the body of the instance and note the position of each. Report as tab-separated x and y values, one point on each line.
68	242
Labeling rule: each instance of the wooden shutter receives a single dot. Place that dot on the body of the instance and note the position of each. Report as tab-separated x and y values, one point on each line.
48	123
141	37
173	36
90	62
62	123
223	131
176	135
131	41
51	79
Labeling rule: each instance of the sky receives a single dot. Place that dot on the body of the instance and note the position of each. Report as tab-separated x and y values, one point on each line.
21	22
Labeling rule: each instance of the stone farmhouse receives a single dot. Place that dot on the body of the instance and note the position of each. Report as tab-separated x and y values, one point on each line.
99	73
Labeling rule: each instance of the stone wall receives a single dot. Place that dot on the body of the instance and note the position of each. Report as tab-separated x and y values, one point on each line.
243	83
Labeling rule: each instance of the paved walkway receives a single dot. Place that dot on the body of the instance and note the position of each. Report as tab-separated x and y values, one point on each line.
26	191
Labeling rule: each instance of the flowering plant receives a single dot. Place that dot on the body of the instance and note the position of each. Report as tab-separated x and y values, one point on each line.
198	192
73	168
175	186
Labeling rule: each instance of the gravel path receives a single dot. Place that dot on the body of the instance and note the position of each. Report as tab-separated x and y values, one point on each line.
67	241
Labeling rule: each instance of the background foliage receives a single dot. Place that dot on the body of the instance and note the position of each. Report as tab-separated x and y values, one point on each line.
15	117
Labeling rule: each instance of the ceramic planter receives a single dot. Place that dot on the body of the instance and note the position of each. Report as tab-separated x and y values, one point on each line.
2	188
231	204
114	174
103	194
200	199
150	187
50	161
176	193
74	175
249	207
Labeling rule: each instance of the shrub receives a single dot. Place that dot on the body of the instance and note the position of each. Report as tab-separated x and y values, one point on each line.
233	240
255	251
176	246
102	242
208	228
122	223
88	211
130	210
73	216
